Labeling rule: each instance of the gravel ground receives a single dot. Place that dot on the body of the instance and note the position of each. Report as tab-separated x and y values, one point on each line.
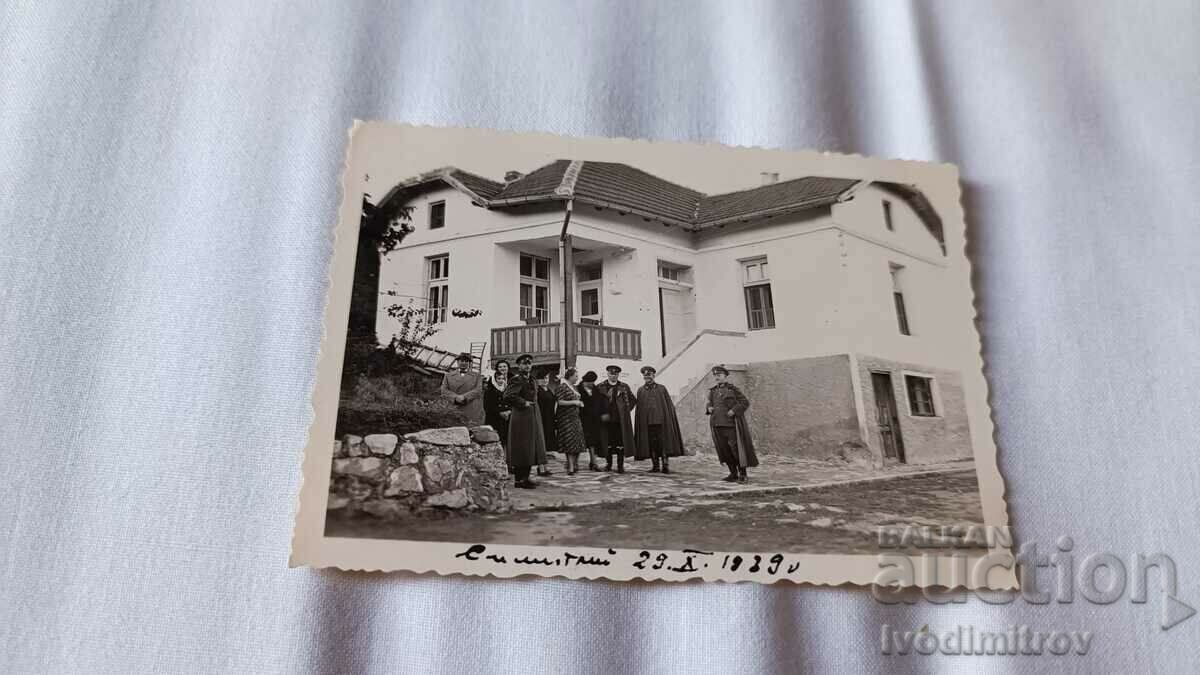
789	519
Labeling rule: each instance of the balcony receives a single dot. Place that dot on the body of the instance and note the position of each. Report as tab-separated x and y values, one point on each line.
543	341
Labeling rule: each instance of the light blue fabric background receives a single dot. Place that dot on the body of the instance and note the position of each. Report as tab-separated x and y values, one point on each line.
169	179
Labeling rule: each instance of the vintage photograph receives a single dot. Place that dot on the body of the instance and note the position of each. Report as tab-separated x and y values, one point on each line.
595	344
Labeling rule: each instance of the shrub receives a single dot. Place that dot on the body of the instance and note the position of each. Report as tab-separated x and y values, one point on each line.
395	405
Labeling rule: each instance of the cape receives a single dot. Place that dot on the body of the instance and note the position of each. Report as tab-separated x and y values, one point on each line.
672	440
746	457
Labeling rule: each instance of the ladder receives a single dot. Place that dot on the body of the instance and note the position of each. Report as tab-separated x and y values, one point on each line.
477	350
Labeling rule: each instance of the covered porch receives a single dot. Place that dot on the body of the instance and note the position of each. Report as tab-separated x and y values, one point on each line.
562	302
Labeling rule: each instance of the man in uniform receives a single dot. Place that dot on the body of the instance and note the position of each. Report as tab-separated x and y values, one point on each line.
465	390
526	442
616	420
731	435
656	427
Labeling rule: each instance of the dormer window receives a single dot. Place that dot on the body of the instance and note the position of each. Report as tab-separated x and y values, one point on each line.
437	215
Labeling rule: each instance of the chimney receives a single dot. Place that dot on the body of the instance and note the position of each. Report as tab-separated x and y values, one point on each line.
510	176
769	177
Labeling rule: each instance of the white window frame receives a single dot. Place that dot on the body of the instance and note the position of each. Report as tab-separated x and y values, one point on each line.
534	282
592	284
745	265
437	288
664	280
903	327
935	395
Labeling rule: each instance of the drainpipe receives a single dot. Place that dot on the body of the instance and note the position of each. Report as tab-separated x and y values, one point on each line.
566	271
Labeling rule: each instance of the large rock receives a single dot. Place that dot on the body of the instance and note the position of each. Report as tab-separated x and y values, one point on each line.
339	450
454	499
447	436
353	446
336	502
484	434
403	480
381	444
408	453
439	471
370	468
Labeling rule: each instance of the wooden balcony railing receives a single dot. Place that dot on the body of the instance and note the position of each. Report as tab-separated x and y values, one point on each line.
543	342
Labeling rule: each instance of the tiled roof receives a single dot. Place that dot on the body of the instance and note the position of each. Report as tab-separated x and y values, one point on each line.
807	192
483	187
627	189
538	184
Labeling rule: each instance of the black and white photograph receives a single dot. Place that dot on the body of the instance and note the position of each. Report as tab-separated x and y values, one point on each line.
595	344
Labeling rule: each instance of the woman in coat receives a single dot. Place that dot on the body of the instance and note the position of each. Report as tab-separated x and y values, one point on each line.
595	405
546	401
568	427
495	410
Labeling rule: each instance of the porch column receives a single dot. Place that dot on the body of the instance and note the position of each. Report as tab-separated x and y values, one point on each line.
568	308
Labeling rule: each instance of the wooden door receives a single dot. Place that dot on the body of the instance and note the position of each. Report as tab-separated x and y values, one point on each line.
677	317
887	417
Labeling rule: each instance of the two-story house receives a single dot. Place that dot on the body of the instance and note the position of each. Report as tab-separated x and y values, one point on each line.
822	294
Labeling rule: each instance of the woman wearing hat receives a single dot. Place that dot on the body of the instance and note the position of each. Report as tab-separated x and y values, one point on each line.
595	406
546	401
566	419
731	435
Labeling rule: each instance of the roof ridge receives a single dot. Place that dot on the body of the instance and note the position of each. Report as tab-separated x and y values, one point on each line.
566	188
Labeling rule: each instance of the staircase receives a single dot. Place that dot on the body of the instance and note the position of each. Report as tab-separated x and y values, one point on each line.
682	369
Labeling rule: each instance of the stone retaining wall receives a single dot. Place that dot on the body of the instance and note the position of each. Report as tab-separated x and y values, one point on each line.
436	469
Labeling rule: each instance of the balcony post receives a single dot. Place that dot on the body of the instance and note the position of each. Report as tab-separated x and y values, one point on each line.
566	257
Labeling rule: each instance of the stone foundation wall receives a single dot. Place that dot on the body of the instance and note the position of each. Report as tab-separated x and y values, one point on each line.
798	407
804	407
453	468
926	439
693	422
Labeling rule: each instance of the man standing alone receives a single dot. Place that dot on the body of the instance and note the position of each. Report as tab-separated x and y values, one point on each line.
465	390
619	431
656	427
526	442
731	435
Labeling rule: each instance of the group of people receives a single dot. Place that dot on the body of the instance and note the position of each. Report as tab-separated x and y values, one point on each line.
536	413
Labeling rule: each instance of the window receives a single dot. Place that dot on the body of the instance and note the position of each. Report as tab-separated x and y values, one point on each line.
668	273
589	302
437	215
756	282
437	288
887	216
589	280
586	273
535	289
898	300
920	395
